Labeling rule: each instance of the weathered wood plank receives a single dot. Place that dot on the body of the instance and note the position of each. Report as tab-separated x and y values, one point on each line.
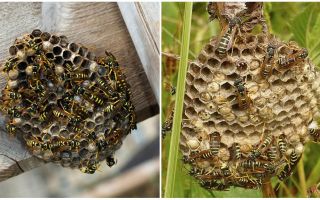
143	23
98	26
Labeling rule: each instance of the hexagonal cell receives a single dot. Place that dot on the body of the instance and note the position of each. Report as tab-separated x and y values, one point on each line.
202	58
247	52
254	64
213	62
227	67
190	112
259	52
192	91
209	49
189	78
198	103
187	100
234	52
206	74
200	84
194	69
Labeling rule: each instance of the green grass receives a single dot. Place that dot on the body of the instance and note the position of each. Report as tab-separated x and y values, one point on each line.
299	22
175	136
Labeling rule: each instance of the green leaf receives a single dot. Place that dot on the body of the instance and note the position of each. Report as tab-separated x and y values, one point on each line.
177	119
300	25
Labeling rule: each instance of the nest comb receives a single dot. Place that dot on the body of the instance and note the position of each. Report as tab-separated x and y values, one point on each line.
249	108
66	104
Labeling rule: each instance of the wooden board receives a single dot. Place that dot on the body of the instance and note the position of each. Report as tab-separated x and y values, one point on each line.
98	26
143	22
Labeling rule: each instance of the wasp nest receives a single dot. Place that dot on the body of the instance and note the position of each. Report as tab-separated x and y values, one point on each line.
68	105
249	108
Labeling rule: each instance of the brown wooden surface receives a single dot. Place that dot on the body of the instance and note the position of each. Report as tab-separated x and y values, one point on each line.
146	38
98	26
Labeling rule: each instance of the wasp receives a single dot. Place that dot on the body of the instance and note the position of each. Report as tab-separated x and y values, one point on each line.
237	150
90	167
249	182
101	144
68	66
111	60
205	154
44	115
133	121
65	103
293	58
226	39
294	158
114	106
39	88
14	112
105	86
282	145
254	154
32	107
12	129
111	161
80	111
215	142
167	125
314	130
252	164
267	63
211	9
74	123
58	113
187	159
10	64
212	184
287	171
272	153
93	98
37	144
80	76
114	137
225	170
36	47
73	143
267	141
170	88
194	171
14	95
244	100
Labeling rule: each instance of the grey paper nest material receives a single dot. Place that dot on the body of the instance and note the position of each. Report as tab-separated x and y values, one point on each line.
68	105
248	112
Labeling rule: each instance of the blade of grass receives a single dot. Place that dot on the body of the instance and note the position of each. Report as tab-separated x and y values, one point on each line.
302	178
175	136
312	178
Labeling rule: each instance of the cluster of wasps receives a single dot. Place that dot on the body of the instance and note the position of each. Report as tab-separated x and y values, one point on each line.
66	104
252	165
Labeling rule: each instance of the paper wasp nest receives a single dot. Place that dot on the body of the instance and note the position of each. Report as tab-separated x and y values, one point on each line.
248	111
66	104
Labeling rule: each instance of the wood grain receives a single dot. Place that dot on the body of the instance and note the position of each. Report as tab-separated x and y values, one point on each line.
143	22
98	26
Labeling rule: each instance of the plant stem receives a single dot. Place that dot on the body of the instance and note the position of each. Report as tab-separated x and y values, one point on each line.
302	178
175	136
267	190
